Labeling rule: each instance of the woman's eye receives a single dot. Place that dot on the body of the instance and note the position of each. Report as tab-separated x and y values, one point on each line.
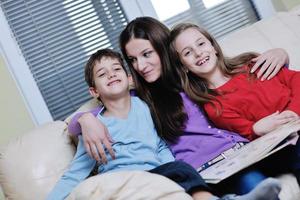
201	43
132	60
118	68
147	54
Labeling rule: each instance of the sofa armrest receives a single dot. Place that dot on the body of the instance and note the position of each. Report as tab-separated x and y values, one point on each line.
31	164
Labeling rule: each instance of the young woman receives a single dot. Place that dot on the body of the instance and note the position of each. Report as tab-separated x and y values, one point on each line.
192	138
233	98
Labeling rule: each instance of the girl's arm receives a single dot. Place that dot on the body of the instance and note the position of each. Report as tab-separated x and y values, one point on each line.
231	120
269	63
95	134
273	121
291	79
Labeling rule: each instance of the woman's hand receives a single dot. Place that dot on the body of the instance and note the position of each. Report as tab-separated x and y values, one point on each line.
271	122
270	62
95	136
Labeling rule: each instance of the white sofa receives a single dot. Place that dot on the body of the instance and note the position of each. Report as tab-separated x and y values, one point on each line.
279	31
30	165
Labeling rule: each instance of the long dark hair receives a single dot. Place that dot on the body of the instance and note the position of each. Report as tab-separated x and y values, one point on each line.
162	96
194	86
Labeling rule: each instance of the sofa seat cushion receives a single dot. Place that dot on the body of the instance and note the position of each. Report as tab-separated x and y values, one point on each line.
128	185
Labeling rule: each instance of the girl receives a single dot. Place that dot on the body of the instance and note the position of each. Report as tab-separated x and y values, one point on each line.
232	97
244	104
192	138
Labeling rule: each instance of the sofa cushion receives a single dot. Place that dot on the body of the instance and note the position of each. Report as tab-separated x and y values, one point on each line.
31	164
89	105
282	30
128	185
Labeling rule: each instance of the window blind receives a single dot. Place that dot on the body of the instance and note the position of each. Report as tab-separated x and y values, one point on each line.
219	20
57	37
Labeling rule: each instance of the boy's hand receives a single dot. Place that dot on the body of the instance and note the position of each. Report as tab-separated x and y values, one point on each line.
95	136
271	122
270	62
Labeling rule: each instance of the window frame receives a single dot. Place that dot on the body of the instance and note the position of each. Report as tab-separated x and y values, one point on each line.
19	69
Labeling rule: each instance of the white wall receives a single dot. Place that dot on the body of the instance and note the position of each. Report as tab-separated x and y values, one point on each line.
15	118
265	8
20	72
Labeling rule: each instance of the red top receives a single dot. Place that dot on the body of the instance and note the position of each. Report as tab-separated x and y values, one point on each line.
246	100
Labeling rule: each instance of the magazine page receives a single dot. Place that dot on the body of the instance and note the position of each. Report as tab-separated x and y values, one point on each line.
252	152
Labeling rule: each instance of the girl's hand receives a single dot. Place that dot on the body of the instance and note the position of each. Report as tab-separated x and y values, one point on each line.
270	62
95	136
289	113
271	122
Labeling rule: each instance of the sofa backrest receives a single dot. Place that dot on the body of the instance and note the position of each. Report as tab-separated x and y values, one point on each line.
279	31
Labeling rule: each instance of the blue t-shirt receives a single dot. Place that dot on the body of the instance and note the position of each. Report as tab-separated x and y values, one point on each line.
136	144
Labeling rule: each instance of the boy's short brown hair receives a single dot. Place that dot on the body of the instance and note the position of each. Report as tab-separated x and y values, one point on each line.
96	57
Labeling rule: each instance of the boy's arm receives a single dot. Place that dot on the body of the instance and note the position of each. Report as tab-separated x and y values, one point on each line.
80	168
164	152
74	126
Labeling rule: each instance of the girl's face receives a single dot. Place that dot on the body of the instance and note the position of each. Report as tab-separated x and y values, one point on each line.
196	52
144	59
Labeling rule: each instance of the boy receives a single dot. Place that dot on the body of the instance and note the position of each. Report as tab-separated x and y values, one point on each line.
136	143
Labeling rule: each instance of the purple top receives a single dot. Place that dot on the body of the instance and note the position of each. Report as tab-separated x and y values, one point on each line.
74	127
200	142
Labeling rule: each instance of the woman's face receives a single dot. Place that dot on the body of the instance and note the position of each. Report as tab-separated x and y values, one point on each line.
196	52
144	59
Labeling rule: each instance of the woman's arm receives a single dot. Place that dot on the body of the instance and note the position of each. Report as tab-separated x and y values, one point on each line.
95	134
74	127
269	63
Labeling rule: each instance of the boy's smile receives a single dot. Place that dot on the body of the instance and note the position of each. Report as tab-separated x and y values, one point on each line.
110	79
113	82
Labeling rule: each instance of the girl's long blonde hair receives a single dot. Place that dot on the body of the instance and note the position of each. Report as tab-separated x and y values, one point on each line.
194	86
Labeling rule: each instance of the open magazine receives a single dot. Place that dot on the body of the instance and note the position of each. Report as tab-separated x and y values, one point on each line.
252	153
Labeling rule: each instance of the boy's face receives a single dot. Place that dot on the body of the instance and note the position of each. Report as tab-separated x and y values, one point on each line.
110	79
